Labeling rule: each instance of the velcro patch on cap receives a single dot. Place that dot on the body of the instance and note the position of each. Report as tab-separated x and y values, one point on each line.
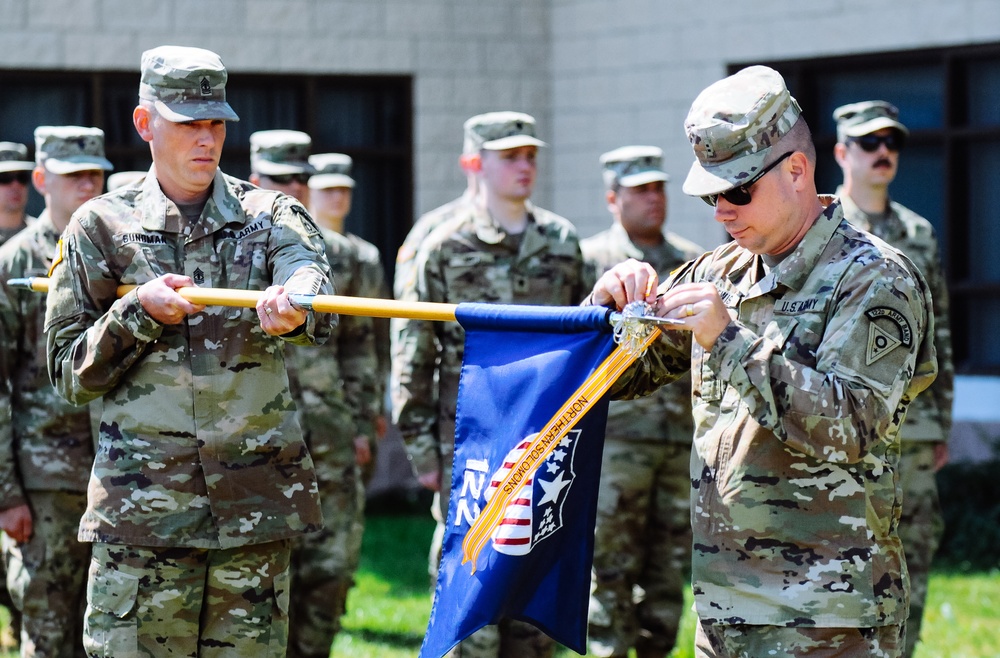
881	341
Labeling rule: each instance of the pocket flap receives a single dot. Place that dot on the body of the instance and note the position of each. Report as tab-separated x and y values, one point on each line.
111	590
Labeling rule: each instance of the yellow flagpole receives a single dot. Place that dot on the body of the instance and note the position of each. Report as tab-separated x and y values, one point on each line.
370	307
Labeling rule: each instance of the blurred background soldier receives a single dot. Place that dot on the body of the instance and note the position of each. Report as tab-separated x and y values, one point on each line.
46	446
15	175
279	160
642	543
331	193
869	139
333	389
499	249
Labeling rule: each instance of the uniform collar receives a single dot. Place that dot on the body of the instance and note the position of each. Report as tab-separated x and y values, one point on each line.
221	208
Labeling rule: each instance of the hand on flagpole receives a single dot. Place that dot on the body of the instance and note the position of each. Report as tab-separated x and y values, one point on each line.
161	300
624	283
278	315
699	308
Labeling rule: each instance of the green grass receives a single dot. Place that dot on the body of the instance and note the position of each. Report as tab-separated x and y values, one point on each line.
388	609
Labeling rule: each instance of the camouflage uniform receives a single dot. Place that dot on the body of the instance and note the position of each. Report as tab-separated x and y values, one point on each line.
928	420
789	416
13	158
471	258
643	533
798	403
334	391
405	279
46	450
201	474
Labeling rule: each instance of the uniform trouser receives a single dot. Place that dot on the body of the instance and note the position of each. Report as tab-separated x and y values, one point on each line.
46	576
179	601
509	638
642	548
9	638
747	641
920	528
323	566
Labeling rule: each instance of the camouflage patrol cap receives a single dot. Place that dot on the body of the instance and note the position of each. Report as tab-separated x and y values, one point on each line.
278	152
123	178
185	84
498	131
332	170
732	126
631	166
857	119
68	149
14	157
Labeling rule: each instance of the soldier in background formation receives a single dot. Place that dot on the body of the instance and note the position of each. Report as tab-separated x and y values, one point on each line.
642	542
201	477
337	395
15	176
806	340
46	446
331	193
869	139
498	249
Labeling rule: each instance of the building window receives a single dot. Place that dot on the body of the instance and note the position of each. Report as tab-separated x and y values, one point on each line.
368	117
949	171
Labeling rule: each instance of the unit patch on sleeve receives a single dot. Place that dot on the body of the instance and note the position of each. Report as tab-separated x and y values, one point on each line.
881	341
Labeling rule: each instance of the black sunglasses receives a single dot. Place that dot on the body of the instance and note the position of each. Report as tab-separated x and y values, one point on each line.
285	179
740	196
8	177
870	143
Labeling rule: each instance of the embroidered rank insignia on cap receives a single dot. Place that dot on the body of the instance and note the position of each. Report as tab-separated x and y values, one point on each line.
206	87
880	341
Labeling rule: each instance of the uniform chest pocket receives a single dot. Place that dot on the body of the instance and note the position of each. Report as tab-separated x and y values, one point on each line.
796	337
243	263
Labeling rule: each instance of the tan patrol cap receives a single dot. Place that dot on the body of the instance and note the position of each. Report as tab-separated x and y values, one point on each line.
332	170
185	84
732	126
499	131
69	149
14	157
123	178
631	166
279	152
866	117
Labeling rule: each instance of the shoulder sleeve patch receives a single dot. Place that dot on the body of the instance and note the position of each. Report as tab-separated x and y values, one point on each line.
887	330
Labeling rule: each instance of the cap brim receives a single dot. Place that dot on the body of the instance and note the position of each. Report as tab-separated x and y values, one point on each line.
75	164
512	142
702	180
875	125
16	165
268	168
643	177
198	111
326	181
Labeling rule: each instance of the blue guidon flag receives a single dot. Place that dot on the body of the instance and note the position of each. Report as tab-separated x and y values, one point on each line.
532	407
